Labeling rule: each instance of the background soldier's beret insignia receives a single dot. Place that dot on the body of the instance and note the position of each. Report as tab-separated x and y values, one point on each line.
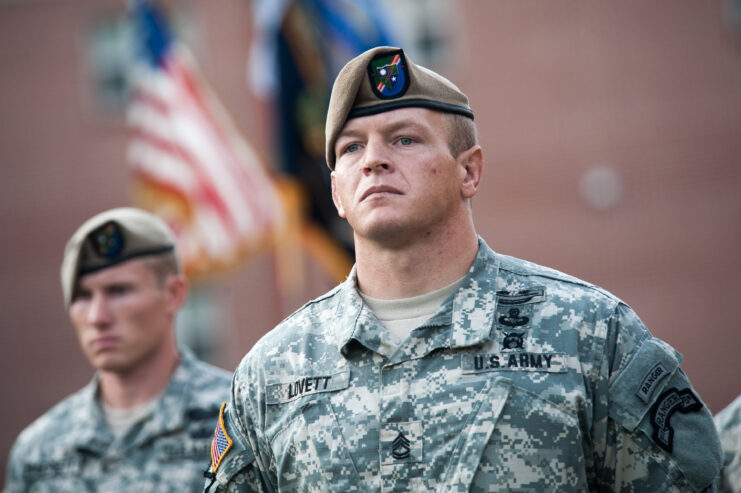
388	75
221	442
107	240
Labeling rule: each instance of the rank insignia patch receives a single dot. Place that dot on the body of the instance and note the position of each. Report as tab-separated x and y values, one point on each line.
400	447
107	240
402	443
221	442
388	75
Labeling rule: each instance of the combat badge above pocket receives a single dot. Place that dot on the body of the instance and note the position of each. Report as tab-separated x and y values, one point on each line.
515	308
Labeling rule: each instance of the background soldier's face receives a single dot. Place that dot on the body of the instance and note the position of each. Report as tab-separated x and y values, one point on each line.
123	315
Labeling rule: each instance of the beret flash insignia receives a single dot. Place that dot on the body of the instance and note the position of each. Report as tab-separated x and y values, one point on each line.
107	240
388	75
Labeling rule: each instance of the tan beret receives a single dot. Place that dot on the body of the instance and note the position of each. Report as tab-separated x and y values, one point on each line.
110	238
385	79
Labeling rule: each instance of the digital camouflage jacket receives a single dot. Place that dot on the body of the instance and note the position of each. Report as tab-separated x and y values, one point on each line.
525	379
70	448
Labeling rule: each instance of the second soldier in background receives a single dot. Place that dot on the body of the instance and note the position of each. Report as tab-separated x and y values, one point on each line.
145	421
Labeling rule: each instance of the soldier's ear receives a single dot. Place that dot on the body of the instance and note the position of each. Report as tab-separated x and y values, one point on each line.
336	197
176	291
471	163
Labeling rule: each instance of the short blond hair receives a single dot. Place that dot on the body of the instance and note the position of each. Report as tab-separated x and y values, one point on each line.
162	266
462	133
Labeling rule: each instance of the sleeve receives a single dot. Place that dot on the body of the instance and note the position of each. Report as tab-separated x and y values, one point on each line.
14	482
233	464
728	424
658	434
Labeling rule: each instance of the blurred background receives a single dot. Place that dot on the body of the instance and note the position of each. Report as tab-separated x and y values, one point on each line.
611	131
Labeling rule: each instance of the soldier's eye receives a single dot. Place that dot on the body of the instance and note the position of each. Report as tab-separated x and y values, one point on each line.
82	295
352	148
406	141
119	289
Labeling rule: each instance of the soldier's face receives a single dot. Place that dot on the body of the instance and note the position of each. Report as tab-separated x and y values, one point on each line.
123	316
394	175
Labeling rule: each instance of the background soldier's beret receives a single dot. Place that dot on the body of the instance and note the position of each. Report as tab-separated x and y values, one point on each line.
110	238
384	79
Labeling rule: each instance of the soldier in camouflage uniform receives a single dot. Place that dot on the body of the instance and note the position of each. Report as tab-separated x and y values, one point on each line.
440	365
728	422
145	422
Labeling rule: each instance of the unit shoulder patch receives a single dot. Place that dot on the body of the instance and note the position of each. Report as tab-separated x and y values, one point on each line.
666	405
653	377
535	294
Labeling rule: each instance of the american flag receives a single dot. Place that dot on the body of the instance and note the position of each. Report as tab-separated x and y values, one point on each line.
221	442
190	163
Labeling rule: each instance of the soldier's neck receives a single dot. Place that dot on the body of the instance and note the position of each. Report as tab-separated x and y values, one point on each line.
416	268
135	386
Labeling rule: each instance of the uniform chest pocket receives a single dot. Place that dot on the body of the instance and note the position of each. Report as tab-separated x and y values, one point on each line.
310	453
518	441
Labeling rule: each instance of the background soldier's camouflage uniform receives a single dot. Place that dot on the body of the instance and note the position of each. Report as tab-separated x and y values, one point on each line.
728	422
579	397
70	448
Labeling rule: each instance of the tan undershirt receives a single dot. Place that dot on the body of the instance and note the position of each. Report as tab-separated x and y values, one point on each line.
120	420
404	315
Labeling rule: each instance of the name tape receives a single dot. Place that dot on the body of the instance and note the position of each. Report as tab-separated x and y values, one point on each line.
278	393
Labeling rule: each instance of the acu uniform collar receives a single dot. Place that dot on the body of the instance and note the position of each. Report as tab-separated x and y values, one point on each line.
168	414
469	312
93	435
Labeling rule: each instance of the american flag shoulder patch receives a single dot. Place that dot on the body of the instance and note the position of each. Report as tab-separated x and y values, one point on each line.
221	442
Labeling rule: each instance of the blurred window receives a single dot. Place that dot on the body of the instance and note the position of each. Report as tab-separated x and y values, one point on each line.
111	56
199	324
424	28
